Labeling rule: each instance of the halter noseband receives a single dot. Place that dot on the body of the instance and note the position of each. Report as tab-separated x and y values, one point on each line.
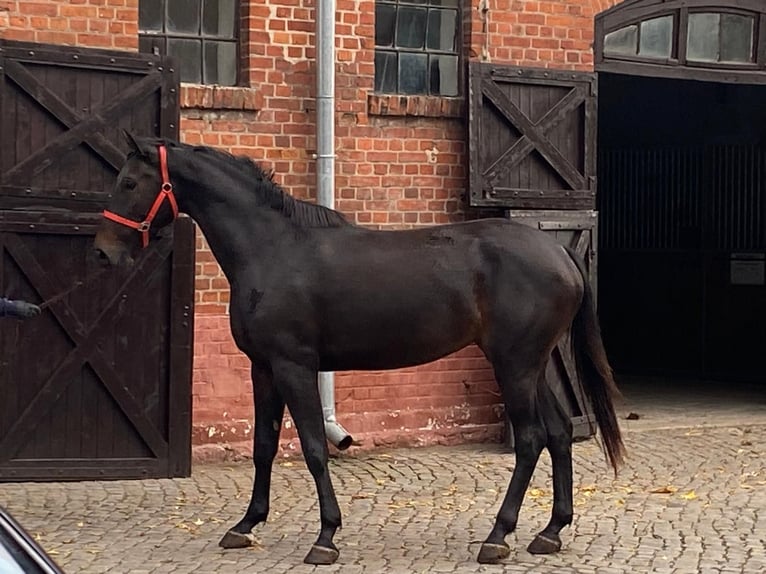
166	192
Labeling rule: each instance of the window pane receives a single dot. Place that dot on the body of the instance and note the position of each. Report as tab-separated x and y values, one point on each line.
736	38
702	43
220	63
385	72
441	30
385	16
183	16
443	75
411	27
188	57
150	16
412	73
621	42
448	3
151	45
656	37
218	18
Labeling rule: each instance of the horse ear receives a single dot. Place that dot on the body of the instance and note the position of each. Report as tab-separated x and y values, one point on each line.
132	142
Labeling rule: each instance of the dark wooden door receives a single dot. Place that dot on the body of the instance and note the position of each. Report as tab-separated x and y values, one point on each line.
578	230
531	138
98	386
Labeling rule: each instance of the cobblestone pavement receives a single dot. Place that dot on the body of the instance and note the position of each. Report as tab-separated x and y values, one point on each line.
689	500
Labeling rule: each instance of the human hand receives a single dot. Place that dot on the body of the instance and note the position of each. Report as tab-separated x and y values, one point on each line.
23	310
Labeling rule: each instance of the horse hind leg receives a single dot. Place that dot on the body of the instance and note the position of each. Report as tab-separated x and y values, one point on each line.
558	427
298	385
520	396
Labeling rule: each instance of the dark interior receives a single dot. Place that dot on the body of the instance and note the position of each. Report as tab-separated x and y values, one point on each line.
682	230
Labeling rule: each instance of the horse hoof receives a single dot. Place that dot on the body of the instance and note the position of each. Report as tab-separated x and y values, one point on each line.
321	555
544	545
236	540
493	553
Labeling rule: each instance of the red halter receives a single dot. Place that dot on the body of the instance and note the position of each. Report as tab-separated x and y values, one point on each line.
166	192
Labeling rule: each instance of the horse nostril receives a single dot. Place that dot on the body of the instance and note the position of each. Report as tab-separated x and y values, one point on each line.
101	256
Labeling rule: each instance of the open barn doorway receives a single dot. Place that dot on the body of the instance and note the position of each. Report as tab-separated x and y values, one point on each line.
682	202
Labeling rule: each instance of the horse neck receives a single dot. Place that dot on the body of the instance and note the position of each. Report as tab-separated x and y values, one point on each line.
239	231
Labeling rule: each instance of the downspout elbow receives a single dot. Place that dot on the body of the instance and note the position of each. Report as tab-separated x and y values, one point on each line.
337	435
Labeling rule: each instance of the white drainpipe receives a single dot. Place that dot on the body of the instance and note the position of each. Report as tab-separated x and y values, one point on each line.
325	156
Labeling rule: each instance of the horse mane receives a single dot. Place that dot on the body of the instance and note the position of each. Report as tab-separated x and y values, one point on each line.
271	194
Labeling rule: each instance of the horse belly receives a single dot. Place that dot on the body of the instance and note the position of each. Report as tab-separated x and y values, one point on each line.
395	355
399	333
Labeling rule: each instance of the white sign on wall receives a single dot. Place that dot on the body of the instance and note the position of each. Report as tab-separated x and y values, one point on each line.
748	269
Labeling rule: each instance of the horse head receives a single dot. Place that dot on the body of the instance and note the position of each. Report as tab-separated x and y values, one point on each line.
142	203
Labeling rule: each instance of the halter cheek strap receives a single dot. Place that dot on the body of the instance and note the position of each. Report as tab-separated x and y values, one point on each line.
165	193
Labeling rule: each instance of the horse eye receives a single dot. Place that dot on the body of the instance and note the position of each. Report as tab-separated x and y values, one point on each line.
130	184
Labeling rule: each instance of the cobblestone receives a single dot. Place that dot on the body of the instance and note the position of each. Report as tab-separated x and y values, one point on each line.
688	501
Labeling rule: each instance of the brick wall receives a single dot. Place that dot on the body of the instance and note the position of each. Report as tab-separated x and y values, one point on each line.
87	23
400	163
536	33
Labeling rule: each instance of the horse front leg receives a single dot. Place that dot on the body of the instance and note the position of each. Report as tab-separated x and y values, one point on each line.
269	411
298	385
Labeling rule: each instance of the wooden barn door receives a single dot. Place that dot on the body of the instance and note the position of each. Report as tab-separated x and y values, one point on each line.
99	385
532	144
532	138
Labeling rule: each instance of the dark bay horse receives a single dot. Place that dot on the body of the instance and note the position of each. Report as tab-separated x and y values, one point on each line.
311	292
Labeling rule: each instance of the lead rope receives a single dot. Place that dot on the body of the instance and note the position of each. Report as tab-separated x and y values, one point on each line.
69	290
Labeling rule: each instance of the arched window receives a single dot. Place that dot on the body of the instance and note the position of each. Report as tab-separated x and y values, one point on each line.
703	39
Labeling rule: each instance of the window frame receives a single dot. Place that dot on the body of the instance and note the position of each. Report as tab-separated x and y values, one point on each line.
671	60
163	36
758	22
678	65
457	53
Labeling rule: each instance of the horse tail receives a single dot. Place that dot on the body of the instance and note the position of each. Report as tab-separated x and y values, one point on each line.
594	369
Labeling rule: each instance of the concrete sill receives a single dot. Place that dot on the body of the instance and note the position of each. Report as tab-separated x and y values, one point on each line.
194	96
419	106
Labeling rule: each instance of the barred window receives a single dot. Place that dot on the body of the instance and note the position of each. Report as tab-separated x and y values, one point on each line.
416	47
201	35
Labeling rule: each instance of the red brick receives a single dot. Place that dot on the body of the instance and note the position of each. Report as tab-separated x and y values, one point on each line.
21	35
93	40
41	8
51	37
